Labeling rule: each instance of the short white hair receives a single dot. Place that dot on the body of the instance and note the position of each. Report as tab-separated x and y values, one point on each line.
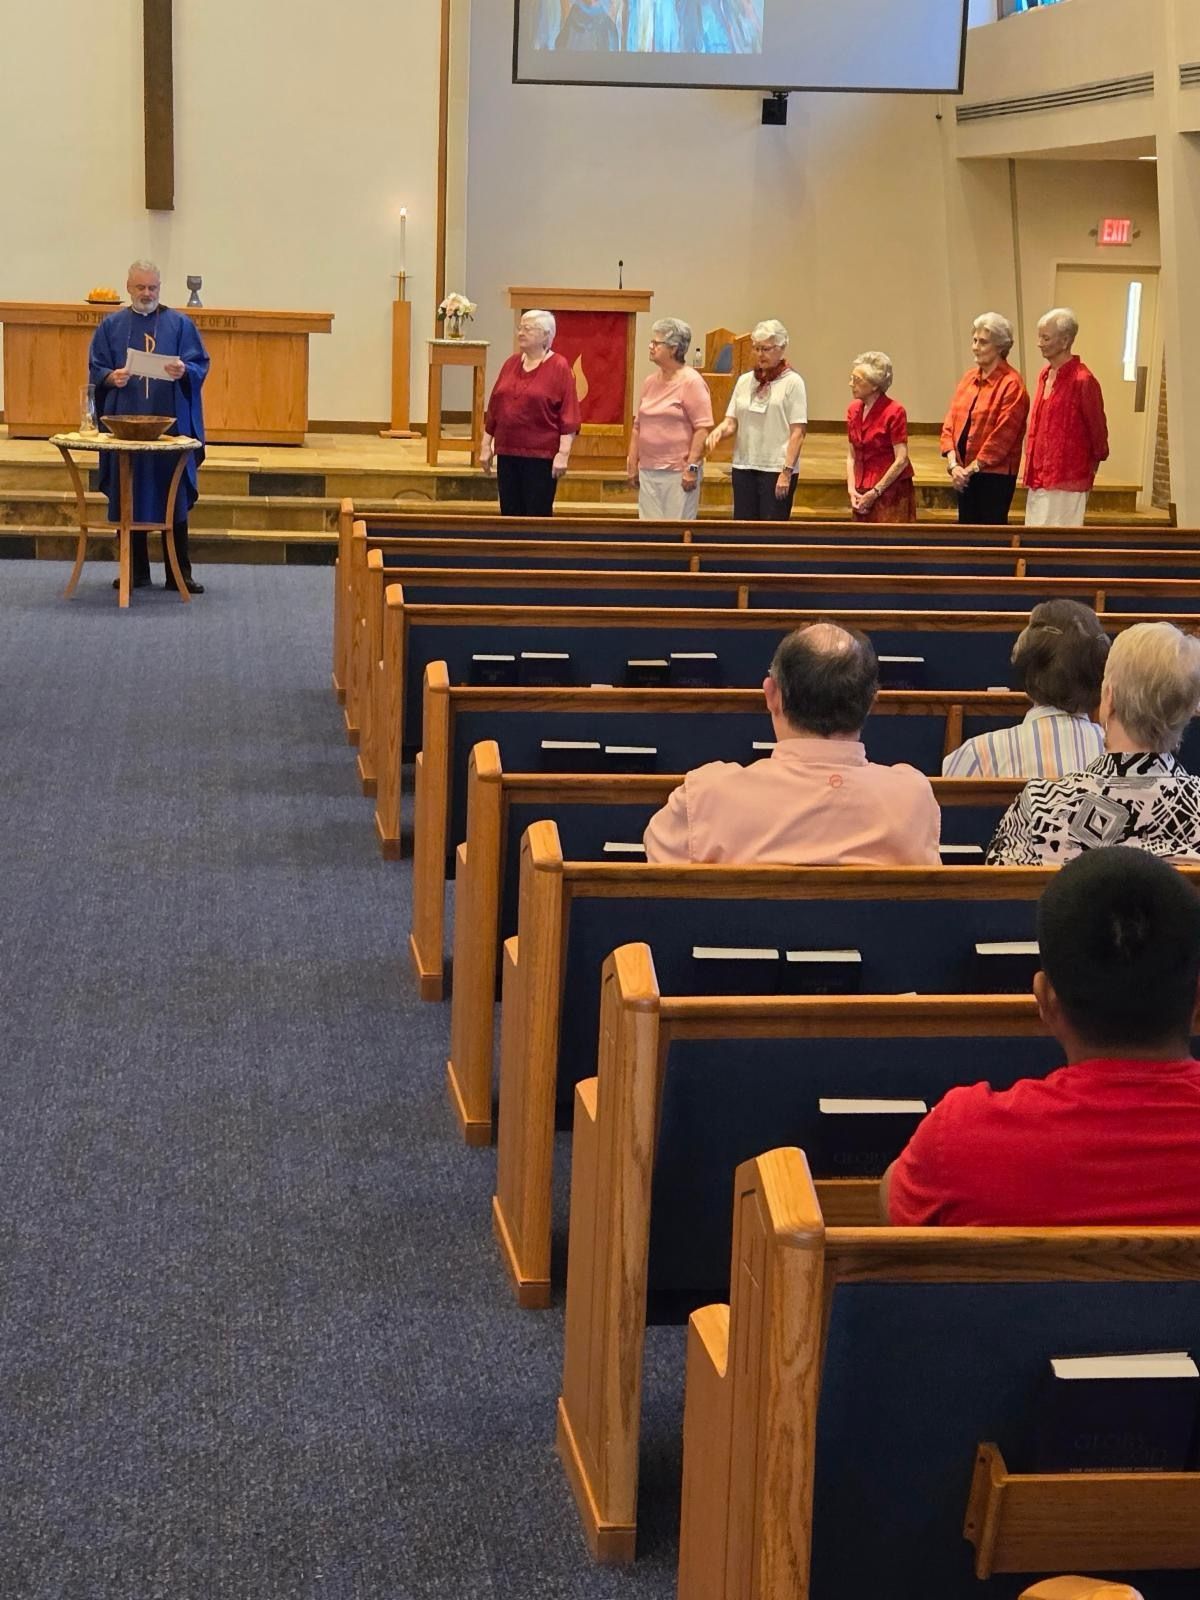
144	266
674	333
1064	321
770	332
1153	677
1000	328
545	321
877	367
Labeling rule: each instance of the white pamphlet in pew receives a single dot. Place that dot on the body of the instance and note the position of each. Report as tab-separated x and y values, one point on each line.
723	952
835	1107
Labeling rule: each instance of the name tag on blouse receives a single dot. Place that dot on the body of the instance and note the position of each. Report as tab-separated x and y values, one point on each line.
758	402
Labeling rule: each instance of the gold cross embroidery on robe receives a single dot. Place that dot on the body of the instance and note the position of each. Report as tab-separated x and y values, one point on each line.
150	348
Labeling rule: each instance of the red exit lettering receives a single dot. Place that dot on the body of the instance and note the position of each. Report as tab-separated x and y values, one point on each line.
1115	230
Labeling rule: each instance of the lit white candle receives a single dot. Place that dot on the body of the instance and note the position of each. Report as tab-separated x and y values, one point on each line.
403	241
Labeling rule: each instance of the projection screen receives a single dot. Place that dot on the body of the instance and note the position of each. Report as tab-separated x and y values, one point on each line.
856	46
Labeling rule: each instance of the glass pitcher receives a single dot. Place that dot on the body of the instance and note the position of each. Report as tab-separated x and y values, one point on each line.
87	409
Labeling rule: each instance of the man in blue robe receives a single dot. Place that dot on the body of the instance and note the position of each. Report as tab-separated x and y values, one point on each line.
147	325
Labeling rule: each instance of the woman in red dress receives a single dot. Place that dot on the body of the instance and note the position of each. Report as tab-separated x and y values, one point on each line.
879	474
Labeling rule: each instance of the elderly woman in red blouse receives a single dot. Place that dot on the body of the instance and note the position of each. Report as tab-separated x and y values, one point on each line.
1068	433
531	420
879	474
985	426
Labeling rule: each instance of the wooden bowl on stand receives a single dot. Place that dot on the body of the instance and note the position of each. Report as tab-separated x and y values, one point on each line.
134	426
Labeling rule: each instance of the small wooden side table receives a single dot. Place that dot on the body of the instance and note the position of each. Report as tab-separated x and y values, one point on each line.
445	353
125	525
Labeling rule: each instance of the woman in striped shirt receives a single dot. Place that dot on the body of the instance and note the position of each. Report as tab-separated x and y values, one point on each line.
1059	663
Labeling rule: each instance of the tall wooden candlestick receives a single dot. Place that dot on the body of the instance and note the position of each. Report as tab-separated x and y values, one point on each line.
401	427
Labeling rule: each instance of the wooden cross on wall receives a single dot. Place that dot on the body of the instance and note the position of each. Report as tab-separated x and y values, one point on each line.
158	94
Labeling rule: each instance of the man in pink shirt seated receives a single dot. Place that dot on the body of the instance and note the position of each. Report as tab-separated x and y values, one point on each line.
1114	1136
817	801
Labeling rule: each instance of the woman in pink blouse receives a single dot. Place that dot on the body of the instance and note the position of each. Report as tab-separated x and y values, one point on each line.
531	420
674	414
879	474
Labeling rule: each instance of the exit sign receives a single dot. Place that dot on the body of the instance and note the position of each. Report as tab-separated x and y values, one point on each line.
1115	230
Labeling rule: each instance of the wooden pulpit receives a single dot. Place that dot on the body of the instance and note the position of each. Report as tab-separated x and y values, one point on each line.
597	333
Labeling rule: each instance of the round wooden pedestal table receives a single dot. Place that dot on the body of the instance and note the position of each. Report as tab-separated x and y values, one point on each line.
125	450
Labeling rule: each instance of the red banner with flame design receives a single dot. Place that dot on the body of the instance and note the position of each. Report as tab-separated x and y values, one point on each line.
593	342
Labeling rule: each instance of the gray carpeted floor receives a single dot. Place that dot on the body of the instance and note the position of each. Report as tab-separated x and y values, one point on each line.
254	1337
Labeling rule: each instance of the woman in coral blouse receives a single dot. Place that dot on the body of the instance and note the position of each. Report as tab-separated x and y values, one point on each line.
879	475
985	426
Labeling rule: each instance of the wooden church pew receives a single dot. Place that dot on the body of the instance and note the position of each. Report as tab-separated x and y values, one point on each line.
685	727
960	649
641	552
465	537
686	1090
588	809
827	1452
915	929
666	586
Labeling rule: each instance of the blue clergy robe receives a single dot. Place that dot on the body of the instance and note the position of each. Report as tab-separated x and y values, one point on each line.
166	333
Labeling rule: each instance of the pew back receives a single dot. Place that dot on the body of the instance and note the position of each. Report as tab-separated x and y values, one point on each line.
683	726
635	1158
589	812
874	1366
913	928
957	649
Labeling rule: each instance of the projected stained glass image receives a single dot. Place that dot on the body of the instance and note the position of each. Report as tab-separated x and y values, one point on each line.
666	27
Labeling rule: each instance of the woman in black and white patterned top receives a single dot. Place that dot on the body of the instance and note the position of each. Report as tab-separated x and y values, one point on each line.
1136	793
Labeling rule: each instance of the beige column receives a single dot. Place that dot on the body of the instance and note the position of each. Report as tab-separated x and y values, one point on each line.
1178	143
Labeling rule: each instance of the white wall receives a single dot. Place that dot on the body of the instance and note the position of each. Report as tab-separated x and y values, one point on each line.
835	224
300	130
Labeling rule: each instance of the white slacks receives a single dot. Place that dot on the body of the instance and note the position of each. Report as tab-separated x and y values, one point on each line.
1054	508
662	497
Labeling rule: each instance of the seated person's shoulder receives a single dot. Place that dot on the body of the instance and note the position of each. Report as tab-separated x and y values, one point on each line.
902	776
717	775
948	1160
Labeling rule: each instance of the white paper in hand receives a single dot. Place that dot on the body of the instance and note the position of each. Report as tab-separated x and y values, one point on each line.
143	364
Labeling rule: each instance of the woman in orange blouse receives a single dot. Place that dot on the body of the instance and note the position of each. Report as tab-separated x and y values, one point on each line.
985	426
879	475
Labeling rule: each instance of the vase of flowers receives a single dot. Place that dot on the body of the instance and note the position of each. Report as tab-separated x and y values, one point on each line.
454	310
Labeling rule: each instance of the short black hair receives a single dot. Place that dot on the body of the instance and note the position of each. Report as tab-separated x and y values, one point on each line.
826	691
1119	934
1059	657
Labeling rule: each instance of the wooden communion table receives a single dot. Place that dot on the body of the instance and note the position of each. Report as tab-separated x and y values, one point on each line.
125	449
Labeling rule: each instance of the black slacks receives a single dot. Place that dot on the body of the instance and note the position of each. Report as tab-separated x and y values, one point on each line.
754	498
526	485
986	499
139	555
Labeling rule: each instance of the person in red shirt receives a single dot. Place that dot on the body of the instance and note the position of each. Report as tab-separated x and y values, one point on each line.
531	421
1068	432
1114	1136
879	475
985	425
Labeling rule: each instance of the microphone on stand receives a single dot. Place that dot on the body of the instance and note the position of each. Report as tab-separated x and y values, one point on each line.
620	274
